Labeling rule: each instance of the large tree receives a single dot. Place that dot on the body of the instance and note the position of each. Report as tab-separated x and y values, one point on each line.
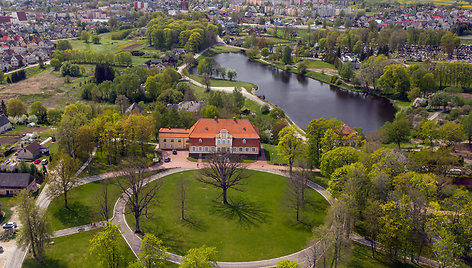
289	145
153	253
105	245
71	120
224	171
202	257
39	111
398	131
315	132
16	107
395	80
61	176
135	188
467	126
372	69
36	229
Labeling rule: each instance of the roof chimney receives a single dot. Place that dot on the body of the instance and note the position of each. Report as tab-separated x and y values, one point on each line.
216	118
234	119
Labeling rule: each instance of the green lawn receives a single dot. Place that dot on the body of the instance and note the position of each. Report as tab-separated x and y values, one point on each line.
272	155
318	64
258	226
220	49
73	251
225	83
83	203
6	203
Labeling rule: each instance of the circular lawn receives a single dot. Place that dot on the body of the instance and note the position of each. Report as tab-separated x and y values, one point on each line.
258	224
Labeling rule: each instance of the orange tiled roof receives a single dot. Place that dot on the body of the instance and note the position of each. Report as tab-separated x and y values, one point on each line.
347	130
238	128
174	132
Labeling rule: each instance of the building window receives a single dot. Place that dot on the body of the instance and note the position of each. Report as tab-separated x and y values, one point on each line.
165	140
180	140
247	149
253	149
235	149
244	141
193	148
199	148
240	149
171	140
199	140
206	148
212	148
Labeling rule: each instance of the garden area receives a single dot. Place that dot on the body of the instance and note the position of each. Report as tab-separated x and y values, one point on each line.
257	224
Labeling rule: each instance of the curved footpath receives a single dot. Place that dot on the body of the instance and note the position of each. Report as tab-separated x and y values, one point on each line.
229	90
134	241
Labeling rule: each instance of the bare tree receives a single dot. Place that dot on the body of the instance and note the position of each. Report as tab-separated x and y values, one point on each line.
341	218
104	207
224	171
182	197
134	187
62	177
295	193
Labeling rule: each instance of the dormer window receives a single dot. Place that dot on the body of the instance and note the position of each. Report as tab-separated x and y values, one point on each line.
200	141
244	141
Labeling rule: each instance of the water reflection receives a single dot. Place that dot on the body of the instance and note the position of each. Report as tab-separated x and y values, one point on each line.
304	99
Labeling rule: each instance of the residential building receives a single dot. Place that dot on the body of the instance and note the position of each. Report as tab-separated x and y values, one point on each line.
13	183
173	138
32	152
238	136
5	124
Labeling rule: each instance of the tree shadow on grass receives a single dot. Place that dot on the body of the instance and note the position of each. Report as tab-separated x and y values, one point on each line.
246	212
32	263
171	236
77	214
194	223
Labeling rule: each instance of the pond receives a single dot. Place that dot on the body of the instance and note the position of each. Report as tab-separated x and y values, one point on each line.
304	99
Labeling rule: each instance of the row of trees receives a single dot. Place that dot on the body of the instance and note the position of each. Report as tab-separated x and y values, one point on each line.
160	86
91	57
193	35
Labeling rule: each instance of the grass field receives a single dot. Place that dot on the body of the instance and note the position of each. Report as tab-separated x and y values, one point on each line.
83	203
225	83
220	49
318	64
111	46
73	251
258	224
272	155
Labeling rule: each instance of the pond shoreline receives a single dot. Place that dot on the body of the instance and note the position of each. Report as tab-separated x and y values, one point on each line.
357	108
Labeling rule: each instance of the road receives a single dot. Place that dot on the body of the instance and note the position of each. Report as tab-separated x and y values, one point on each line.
18	254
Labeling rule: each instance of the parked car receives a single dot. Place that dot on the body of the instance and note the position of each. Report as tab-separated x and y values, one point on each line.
37	161
44	162
9	225
174	151
167	159
1	249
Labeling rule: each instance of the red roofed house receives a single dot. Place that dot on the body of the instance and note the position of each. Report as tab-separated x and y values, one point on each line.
173	138
238	136
348	137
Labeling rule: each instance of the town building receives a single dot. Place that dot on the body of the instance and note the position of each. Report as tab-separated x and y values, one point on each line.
13	183
5	124
32	152
173	138
207	136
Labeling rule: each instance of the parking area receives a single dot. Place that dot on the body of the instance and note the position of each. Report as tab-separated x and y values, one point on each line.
10	246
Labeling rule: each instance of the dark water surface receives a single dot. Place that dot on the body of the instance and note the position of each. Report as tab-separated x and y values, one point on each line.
304	99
